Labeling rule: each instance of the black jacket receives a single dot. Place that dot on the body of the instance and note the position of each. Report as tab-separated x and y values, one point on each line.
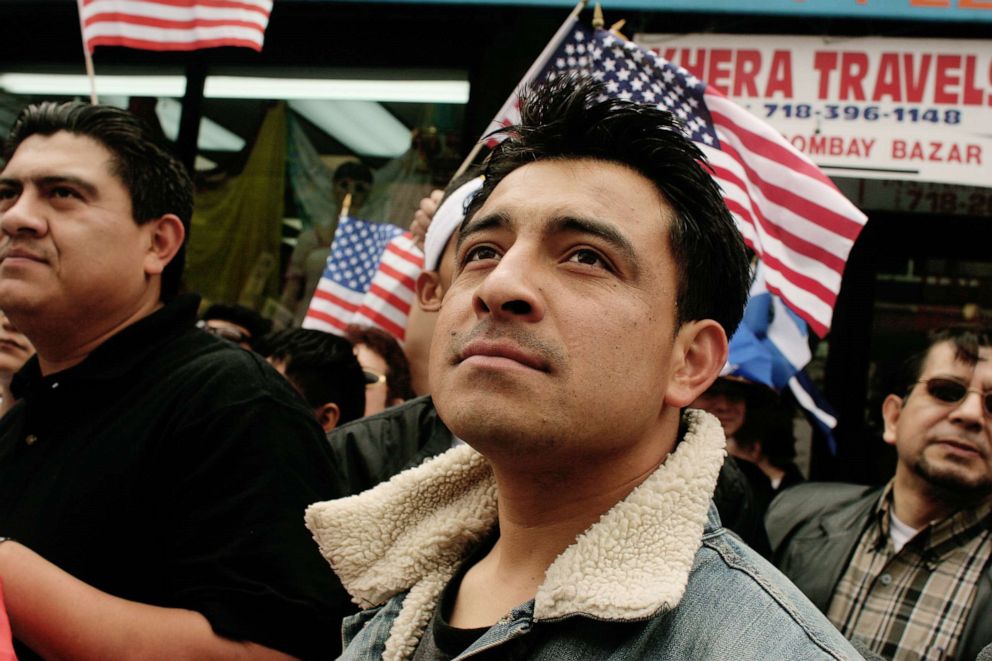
814	528
373	449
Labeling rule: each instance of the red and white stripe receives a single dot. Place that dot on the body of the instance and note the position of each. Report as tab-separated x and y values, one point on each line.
332	307
391	294
788	211
174	24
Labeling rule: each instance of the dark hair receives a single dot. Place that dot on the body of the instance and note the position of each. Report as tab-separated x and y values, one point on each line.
768	420
398	381
157	182
966	341
256	325
323	367
571	118
355	170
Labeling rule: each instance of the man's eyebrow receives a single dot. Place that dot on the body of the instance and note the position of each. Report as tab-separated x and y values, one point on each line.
61	179
604	231
479	224
48	181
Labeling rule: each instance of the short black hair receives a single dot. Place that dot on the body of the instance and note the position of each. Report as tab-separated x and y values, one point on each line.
323	367
398	381
571	117
967	342
256	325
157	182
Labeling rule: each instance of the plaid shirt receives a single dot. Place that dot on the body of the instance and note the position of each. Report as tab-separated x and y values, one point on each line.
913	604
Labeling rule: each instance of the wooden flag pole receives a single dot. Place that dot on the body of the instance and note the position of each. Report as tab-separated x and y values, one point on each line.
345	206
534	68
87	56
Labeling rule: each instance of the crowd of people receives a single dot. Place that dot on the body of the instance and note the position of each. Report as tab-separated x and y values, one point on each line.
185	485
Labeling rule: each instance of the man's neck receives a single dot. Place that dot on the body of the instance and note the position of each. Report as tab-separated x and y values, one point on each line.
541	513
58	351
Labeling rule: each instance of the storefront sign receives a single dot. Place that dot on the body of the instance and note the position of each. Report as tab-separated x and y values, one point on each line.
903	10
918	197
869	107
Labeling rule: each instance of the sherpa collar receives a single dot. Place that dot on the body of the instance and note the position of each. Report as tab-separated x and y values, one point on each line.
412	532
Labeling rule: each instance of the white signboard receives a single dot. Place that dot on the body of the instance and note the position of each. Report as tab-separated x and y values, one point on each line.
870	107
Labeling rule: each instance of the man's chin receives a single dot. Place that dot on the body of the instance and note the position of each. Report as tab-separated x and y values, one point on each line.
955	483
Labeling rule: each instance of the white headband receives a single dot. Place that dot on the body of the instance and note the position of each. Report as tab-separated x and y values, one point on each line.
449	216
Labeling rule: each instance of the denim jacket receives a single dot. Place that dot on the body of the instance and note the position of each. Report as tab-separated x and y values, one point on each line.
655	577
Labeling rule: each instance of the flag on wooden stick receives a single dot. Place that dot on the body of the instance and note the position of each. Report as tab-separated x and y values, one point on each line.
370	279
174	25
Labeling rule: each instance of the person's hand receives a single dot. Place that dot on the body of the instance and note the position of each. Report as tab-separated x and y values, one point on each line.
423	215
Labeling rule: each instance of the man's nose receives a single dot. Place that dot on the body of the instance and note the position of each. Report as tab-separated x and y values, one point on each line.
970	411
23	215
511	290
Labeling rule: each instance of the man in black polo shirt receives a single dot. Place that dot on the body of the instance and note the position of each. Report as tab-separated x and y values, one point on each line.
152	477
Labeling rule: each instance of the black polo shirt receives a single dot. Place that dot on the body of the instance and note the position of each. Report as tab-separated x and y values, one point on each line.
172	468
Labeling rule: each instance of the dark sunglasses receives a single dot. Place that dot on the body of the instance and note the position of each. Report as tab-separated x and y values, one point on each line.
950	391
373	378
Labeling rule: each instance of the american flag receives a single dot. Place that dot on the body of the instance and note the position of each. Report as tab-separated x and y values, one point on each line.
174	24
369	279
787	210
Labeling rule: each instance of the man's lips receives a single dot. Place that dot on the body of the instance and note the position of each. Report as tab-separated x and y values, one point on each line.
11	345
502	349
21	253
959	446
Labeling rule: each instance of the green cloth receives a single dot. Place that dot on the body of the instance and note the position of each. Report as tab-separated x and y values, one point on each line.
233	253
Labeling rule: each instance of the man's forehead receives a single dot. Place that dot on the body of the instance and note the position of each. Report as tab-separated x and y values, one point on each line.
57	152
609	190
944	356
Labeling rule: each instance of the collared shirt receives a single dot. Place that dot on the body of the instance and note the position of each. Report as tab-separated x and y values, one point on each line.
913	604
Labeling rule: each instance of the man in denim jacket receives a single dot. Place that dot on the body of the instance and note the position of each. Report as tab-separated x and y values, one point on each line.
597	277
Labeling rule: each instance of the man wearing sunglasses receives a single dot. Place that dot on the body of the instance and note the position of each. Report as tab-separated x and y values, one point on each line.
906	568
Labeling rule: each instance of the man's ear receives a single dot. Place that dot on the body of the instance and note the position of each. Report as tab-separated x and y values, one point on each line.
166	238
328	415
430	291
700	352
891	409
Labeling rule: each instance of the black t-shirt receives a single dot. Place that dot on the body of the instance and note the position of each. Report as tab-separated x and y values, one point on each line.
441	641
172	468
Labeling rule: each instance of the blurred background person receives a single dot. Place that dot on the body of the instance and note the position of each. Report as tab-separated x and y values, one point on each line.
309	257
324	370
386	369
15	349
235	323
768	441
758	427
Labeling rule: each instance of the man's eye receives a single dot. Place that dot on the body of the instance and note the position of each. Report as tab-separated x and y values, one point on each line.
588	257
62	192
480	253
7	193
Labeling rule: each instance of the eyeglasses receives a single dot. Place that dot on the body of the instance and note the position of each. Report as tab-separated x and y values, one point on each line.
224	332
950	391
373	378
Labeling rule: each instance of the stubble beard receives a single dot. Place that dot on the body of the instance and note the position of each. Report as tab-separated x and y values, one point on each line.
953	486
